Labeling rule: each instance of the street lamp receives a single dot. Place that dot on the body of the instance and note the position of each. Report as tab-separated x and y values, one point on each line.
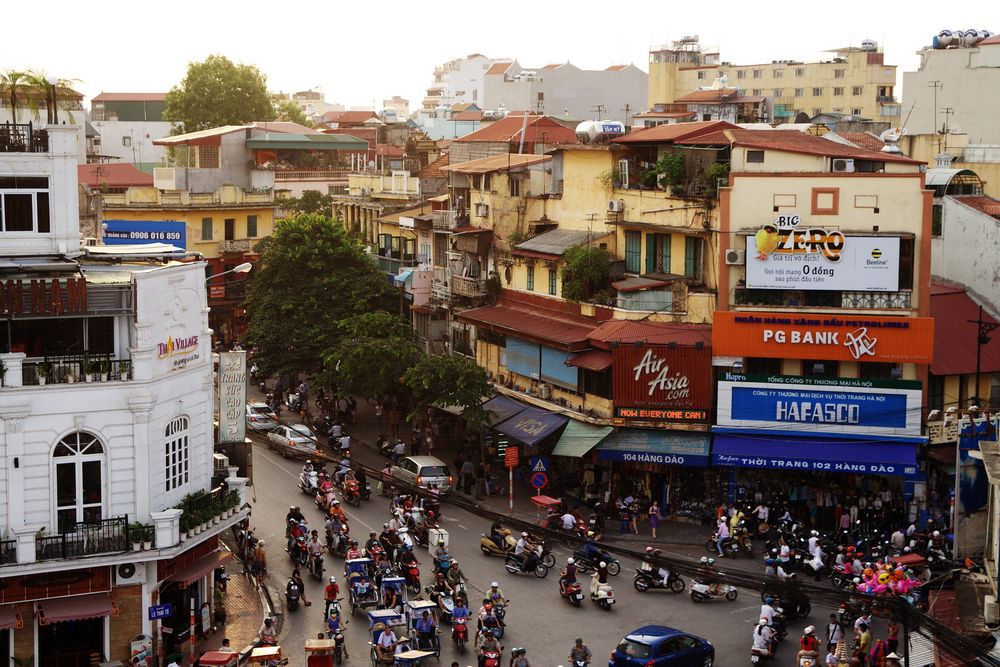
241	268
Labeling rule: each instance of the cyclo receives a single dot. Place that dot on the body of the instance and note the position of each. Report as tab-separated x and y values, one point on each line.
414	612
319	653
362	593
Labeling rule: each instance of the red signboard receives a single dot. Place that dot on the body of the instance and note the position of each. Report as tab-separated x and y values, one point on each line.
63	583
510	457
659	383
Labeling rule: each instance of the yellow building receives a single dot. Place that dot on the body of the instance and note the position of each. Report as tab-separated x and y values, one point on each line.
855	80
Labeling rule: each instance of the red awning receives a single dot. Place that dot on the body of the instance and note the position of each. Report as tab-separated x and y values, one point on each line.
952	308
78	608
529	325
652	333
591	360
200	568
10	618
545	501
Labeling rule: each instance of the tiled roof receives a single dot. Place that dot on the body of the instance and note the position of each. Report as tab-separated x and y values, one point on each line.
995	39
499	68
200	136
951	307
710	95
658	333
388	150
112	175
674	132
553	66
666	114
982	203
529	323
501	162
130	97
616	68
541	129
865	140
467	116
348	117
790	141
433	170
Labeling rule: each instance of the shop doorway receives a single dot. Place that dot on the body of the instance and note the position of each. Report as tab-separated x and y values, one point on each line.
71	643
5	647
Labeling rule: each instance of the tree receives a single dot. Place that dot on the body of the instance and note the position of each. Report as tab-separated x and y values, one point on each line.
217	92
374	351
21	88
289	110
586	272
311	275
449	380
312	201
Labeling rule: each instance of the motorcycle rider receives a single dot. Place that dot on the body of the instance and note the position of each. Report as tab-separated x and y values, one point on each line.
487	644
371	543
441	556
330	594
441	587
336	510
771	615
334	529
517	658
651	567
353	551
315	548
345	467
721	534
808	645
497	535
568	521
590	551
524	552
579	653
567	576
710	575
496	595
294	514
297	578
763	636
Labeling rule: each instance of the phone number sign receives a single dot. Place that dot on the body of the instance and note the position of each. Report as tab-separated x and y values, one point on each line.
132	232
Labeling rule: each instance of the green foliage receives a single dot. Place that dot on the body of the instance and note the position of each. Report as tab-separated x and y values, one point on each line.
712	175
218	92
312	201
649	178
371	356
586	271
493	287
27	89
289	110
449	380
311	276
515	237
609	179
670	168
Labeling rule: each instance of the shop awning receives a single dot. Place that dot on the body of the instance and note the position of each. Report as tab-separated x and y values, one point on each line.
579	438
10	618
76	608
591	360
403	276
501	408
201	567
531	425
828	454
646	445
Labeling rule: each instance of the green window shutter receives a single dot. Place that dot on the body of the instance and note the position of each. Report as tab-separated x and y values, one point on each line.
692	246
531	278
665	241
633	251
650	253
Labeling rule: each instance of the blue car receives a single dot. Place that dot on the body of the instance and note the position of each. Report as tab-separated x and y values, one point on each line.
660	646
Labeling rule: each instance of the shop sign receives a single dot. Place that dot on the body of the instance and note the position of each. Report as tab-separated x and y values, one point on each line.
180	351
790	463
752	401
826	337
141	650
232	396
43	298
784	255
160	611
654	457
55	584
662	384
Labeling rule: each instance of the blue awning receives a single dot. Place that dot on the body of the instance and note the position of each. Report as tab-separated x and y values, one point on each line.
403	277
501	408
531	425
643	445
871	457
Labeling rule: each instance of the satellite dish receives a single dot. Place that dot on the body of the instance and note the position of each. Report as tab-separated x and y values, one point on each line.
893	134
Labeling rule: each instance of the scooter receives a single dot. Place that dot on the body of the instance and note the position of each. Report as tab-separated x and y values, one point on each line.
601	594
316	566
517	566
309	482
573	593
645	580
758	655
460	632
491	548
412	576
292	595
701	592
352	492
491	659
586	564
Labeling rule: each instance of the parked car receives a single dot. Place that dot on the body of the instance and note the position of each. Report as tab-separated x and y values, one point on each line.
424	471
661	646
261	418
296	437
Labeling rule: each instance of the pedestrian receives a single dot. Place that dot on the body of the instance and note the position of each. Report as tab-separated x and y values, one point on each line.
633	513
864	640
345	445
654	518
488	478
260	560
379	414
892	634
480	479
623	516
834	631
415	444
468	476
352	407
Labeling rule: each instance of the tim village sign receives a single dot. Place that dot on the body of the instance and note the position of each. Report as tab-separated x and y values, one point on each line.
43	297
657	383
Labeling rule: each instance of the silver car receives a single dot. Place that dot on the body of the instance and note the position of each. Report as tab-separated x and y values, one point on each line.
260	417
296	436
423	471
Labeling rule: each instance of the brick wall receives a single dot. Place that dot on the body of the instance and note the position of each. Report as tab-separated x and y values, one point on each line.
128	623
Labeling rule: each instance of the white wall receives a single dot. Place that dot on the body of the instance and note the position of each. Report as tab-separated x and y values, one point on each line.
141	133
968	251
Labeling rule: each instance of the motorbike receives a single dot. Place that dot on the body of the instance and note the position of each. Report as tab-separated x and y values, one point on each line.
292	595
516	565
491	659
491	548
298	551
701	592
341	547
352	492
412	576
645	580
309	482
460	632
758	655
316	566
790	608
586	564
492	625
601	594
573	593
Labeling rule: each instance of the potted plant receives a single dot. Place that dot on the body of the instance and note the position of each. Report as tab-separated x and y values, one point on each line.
135	533
148	531
233	502
185	526
43	370
90	370
102	369
3	372
123	370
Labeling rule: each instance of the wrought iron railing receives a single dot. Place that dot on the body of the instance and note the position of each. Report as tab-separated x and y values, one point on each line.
392	265
86	539
8	552
471	287
212	500
444	219
875	300
64	368
23	138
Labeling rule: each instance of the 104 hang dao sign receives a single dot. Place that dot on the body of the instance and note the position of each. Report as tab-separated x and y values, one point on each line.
789	256
827	405
656	383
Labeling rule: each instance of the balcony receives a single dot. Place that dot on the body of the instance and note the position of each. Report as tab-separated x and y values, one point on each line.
8	552
822	299
440	292
23	138
236	246
234	290
445	220
468	287
392	264
68	369
312	175
875	300
942	431
106	536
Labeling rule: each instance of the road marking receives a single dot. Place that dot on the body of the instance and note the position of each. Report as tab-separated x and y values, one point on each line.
461	526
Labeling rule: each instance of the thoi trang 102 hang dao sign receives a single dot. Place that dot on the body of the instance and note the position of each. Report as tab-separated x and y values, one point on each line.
657	383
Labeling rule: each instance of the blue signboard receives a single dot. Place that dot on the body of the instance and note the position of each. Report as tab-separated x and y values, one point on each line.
791	453
819	406
161	611
531	425
539	463
131	232
654	446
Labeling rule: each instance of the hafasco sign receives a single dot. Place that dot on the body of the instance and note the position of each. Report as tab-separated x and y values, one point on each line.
783	255
657	383
849	338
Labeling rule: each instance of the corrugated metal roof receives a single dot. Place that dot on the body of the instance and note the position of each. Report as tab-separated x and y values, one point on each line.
792	142
626	331
496	163
951	308
312	142
591	360
130	97
107	277
528	324
944	176
637	283
201	134
556	242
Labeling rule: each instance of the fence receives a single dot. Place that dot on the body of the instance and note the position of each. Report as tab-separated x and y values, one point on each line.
85	539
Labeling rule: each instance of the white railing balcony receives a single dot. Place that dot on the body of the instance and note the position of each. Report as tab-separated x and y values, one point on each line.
445	219
471	287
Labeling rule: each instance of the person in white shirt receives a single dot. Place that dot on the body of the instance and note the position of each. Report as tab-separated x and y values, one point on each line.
762	635
568	521
865	619
834	630
898	540
345	443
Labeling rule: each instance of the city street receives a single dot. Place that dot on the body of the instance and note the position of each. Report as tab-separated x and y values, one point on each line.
538	618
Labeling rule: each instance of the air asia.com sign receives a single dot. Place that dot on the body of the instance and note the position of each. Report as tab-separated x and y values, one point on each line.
847	338
658	384
783	255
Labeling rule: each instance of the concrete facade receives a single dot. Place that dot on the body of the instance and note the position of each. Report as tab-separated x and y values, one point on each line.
968	251
132	141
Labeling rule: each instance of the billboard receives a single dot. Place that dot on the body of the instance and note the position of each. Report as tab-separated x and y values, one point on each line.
660	383
131	232
783	255
823	336
819	405
232	396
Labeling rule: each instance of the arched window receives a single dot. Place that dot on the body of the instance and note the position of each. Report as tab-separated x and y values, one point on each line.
79	461
176	453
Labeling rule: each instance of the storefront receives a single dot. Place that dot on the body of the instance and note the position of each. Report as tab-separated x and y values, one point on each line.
186	582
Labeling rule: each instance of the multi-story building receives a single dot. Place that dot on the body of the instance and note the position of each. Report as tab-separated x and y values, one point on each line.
855	81
34	106
107	429
459	80
396	109
565	90
311	102
127	125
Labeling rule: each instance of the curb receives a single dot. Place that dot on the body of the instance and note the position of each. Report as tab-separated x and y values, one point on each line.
265	601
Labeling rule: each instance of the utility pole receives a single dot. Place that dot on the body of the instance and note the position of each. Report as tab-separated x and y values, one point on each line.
982	338
627	110
947	111
936	85
599	109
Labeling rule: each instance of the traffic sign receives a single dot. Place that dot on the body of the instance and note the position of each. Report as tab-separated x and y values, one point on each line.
539	464
510	457
160	611
539	480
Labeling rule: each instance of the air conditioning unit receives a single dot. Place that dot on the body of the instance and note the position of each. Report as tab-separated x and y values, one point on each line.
736	257
991	610
843	166
482	210
616	206
130	573
544	391
220	464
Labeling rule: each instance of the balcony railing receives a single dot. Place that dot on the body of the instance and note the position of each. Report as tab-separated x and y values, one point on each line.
86	539
393	265
8	552
875	300
445	219
23	138
213	500
237	245
822	299
232	290
942	431
62	369
470	287
312	175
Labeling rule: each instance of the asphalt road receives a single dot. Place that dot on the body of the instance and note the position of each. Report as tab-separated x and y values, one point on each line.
538	618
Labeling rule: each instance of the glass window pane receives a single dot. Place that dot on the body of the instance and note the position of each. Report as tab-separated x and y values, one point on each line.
65	484
18	215
66	520
91	481
42	203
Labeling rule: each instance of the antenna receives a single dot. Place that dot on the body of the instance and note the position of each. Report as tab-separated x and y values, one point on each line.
599	109
947	111
627	110
936	85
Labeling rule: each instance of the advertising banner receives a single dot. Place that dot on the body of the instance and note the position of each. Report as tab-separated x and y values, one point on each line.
232	396
130	232
815	336
788	403
657	383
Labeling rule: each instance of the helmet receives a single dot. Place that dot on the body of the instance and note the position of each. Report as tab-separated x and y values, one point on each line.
602	564
762	621
494	584
649	550
308	462
770	562
439	576
260	542
815	533
440	541
704	559
335	502
291	508
333	580
385	526
809	630
524	534
371	534
569	561
590	533
711	561
937	533
768	600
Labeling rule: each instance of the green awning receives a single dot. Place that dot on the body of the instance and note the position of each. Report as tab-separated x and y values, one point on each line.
579	438
309	142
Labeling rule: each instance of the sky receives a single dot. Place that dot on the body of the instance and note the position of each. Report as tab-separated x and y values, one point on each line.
360	53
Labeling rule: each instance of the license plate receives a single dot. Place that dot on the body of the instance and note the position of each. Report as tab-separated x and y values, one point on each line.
579	596
611	600
755	659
